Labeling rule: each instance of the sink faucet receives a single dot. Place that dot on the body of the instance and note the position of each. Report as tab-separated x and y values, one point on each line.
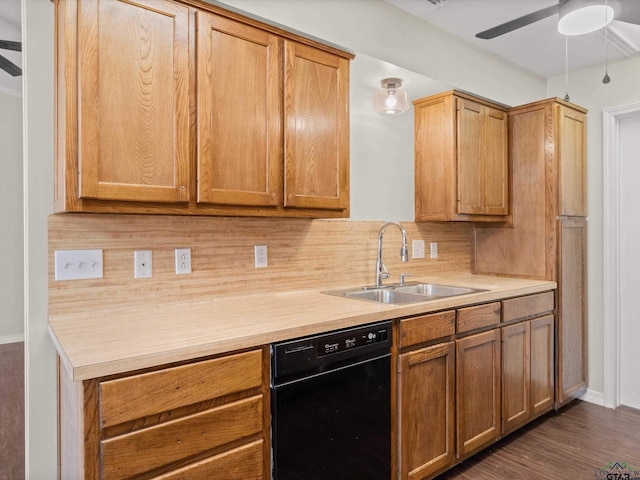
381	270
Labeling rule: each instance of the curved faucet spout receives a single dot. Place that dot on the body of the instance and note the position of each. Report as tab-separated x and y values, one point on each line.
381	271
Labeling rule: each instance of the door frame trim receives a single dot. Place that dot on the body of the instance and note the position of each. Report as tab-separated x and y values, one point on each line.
611	244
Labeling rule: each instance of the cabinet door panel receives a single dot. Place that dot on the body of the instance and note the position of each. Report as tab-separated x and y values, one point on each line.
496	163
426	411
316	89
572	168
572	323
542	367
516	374
478	391
470	157
239	147
134	100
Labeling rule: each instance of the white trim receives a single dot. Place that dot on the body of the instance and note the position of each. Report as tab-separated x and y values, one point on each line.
4	339
611	244
594	397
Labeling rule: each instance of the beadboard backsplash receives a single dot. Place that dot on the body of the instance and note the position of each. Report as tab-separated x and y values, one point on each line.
302	254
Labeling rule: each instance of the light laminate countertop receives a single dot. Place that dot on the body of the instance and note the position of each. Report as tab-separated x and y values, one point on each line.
125	338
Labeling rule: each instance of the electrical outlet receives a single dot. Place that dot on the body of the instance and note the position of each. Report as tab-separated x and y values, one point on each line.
418	249
183	261
433	247
142	264
78	264
261	256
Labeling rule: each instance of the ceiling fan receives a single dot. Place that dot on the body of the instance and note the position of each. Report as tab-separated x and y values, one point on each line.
6	64
571	11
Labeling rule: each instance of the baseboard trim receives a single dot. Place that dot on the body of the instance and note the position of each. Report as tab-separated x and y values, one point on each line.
4	339
594	397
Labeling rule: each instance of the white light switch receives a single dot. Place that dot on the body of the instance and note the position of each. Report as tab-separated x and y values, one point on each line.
78	264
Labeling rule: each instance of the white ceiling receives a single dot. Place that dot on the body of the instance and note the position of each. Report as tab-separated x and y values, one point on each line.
538	47
10	15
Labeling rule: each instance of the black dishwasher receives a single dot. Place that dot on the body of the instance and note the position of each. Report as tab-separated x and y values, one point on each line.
331	405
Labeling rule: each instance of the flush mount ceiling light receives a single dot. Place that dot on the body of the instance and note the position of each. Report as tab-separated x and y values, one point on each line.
578	17
392	99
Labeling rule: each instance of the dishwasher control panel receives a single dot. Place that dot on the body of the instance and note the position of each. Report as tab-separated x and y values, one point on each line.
348	340
330	350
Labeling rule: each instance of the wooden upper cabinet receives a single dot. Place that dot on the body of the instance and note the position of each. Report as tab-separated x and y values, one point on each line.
461	159
183	107
239	110
572	168
316	142
133	93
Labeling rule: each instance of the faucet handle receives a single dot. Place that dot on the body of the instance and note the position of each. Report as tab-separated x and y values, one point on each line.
403	276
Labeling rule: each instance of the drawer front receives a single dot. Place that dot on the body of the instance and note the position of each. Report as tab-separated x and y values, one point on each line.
527	307
480	316
425	328
242	463
144	450
137	396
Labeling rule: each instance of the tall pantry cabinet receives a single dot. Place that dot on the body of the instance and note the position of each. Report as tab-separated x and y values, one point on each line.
545	236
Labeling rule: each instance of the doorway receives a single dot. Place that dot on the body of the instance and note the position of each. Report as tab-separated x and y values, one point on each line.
621	258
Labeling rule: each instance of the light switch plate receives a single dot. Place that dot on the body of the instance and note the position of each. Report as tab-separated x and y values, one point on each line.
78	264
433	249
417	249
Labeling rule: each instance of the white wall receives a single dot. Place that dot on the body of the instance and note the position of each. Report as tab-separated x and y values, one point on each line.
11	278
586	89
369	27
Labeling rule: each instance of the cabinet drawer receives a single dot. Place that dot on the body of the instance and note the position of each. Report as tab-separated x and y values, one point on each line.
527	307
138	396
480	316
424	328
144	450
243	463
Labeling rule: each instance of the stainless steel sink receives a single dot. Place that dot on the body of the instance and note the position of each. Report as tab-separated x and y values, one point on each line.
384	295
412	292
435	290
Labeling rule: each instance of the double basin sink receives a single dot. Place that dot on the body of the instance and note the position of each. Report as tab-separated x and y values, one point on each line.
411	292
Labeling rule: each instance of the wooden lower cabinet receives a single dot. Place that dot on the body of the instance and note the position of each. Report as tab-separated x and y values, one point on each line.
426	387
477	391
206	419
528	365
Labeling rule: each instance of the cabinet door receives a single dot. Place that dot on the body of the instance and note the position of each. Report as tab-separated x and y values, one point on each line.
134	100
239	147
516	364
572	167
478	391
426	411
483	182
571	335
316	118
470	153
542	367
496	162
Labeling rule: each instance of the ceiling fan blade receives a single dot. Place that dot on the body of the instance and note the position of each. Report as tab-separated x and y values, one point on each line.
10	67
629	12
9	45
519	22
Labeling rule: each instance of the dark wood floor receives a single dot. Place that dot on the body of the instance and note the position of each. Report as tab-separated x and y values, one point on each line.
12	411
571	444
